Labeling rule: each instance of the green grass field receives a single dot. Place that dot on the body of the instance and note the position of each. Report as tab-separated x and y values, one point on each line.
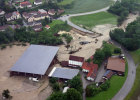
89	21
135	91
116	84
81	6
65	2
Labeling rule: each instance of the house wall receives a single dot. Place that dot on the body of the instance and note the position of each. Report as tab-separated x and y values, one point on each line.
76	63
84	70
90	79
38	3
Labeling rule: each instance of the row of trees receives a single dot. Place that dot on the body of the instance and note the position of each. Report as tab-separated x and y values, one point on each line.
74	93
101	54
130	38
123	8
71	94
106	51
28	35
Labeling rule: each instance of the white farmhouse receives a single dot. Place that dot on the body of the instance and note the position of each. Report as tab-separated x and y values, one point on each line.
76	61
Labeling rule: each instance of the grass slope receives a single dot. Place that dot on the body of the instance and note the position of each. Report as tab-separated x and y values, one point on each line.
81	6
95	19
135	91
116	84
65	2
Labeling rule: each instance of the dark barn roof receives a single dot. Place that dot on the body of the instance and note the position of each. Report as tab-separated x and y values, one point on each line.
36	59
76	58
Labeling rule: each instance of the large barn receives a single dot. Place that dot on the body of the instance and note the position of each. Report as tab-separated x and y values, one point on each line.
116	64
35	61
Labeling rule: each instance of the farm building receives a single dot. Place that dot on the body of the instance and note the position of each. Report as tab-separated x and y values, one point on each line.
91	69
35	61
75	61
116	64
63	73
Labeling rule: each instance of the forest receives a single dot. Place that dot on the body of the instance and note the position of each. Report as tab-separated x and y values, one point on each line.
130	38
123	8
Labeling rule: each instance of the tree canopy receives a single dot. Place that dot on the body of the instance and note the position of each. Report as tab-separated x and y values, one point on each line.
130	39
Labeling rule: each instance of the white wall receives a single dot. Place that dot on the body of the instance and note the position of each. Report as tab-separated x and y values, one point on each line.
75	63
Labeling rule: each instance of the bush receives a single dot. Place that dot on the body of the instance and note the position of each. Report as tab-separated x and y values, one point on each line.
3	46
68	37
6	94
53	80
117	50
105	86
56	87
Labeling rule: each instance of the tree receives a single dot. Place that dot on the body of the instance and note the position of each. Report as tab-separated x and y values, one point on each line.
89	90
107	50
73	94
76	83
56	96
99	57
6	94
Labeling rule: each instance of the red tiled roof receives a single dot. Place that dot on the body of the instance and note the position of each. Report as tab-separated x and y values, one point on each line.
86	66
116	64
25	3
93	71
76	58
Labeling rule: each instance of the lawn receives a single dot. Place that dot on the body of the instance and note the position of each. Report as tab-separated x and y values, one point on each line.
65	2
135	91
80	6
89	21
32	1
136	56
54	22
116	84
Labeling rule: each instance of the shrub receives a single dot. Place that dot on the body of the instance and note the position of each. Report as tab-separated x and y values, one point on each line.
105	86
117	50
56	87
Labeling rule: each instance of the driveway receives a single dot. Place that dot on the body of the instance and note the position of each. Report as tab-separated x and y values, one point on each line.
101	72
130	77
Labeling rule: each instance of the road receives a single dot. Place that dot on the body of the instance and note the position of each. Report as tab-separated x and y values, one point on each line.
67	17
130	77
